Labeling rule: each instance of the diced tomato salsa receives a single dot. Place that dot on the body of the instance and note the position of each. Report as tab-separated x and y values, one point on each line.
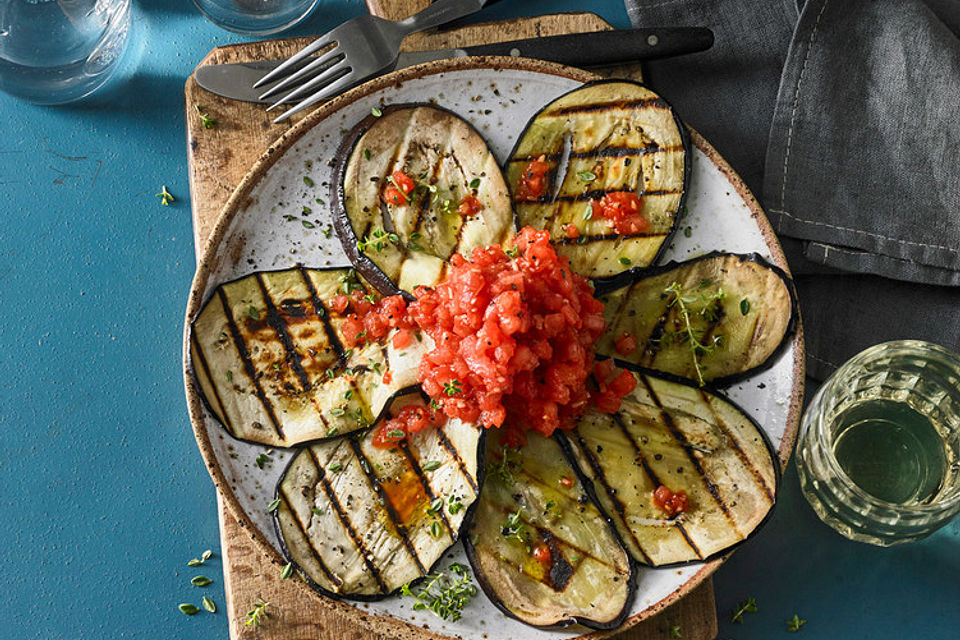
532	184
622	210
513	337
513	333
411	419
469	206
672	503
398	190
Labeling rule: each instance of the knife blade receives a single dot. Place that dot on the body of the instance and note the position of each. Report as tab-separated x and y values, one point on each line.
235	80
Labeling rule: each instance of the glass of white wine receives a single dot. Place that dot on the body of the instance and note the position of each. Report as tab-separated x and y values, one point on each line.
879	447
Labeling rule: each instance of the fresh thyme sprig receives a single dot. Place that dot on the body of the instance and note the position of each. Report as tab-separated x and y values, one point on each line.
514	529
443	593
794	624
165	196
205	119
258	614
503	470
748	606
378	239
690	335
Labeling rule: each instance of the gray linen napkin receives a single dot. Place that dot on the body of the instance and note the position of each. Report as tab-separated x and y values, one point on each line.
856	144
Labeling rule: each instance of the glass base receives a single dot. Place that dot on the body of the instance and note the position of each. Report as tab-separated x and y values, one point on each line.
256	17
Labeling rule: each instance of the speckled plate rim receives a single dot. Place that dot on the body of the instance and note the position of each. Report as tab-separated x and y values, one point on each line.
379	623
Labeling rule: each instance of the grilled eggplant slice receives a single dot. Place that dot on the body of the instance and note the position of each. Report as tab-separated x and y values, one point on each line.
267	350
741	309
359	521
607	136
676	435
539	546
400	245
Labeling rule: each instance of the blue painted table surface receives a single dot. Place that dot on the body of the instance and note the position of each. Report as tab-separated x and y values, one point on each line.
105	496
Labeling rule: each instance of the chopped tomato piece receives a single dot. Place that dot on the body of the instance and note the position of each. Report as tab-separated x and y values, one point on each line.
566	481
339	303
469	206
352	330
401	339
612	385
571	230
541	553
411	419
622	210
626	344
399	189
533	181
672	503
388	377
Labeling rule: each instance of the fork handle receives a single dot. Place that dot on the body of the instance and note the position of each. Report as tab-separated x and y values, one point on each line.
441	12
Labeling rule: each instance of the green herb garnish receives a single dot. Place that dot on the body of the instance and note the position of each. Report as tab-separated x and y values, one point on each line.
316	511
200	581
273	506
587	176
794	624
744	307
688	333
208	604
287	571
205	119
748	606
475	183
431	465
258	614
376	112
625	261
335	467
453	387
675	631
165	199
307	181
366	154
444	594
188	609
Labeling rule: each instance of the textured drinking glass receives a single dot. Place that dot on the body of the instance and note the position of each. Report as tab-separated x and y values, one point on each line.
57	51
256	17
879	448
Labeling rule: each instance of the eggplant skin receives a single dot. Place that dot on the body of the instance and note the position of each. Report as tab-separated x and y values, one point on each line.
630	139
448	160
671	432
746	327
358	522
589	578
267	351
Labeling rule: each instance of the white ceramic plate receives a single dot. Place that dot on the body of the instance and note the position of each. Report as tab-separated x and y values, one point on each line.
498	96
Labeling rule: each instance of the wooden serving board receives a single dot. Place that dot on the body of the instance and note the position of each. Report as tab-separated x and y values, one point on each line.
218	159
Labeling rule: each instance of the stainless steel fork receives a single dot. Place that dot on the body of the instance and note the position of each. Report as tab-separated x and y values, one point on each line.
363	46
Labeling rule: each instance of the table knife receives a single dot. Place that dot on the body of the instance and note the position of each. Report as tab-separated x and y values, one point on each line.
235	80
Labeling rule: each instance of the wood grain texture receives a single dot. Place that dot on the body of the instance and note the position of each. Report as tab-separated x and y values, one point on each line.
218	159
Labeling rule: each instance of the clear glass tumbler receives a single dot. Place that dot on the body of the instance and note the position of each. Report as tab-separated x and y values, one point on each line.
58	51
879	448
256	17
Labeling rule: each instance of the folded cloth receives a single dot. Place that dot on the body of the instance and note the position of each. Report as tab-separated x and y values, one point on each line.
856	145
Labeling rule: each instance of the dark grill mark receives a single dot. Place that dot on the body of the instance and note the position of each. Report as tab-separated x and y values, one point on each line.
280	327
606	236
248	367
653	478
324	314
654	341
404	446
374	482
596	194
334	580
448	445
611	494
224	418
682	441
603	152
591	107
744	458
560	571
345	521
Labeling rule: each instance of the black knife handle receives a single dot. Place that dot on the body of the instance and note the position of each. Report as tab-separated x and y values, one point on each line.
613	47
